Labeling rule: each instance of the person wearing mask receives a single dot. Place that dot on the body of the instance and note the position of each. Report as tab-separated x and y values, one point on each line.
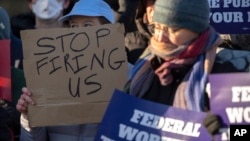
174	68
48	12
84	13
43	14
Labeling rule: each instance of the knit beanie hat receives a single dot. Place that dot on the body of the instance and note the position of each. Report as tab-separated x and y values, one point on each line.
190	14
4	24
91	8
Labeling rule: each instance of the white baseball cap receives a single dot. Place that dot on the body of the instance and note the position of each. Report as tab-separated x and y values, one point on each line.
91	8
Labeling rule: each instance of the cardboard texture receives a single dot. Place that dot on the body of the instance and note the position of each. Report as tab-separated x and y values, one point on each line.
72	72
5	72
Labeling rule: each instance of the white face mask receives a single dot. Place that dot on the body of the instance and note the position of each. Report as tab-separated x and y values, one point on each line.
47	9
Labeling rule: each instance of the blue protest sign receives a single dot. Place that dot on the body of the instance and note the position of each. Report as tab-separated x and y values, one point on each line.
230	98
230	16
128	118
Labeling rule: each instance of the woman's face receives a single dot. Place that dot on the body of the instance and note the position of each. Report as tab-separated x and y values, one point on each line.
173	36
83	21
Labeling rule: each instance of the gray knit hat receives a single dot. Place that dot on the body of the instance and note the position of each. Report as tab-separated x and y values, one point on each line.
190	14
4	24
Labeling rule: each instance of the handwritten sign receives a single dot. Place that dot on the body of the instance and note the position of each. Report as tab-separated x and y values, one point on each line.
5	75
73	72
230	16
234	90
144	120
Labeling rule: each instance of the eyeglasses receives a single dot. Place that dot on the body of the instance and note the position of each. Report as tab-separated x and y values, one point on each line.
165	29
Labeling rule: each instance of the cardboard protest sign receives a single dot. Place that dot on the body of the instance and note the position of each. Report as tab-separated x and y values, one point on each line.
230	98
73	72
230	16
5	72
129	118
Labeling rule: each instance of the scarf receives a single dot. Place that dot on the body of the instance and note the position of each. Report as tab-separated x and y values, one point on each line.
191	91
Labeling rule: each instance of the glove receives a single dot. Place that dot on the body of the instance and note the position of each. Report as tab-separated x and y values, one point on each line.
212	123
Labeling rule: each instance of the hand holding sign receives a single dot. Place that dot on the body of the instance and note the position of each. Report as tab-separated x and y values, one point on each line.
70	71
145	120
233	89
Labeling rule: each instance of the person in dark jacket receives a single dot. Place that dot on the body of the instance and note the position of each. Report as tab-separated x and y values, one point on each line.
123	10
174	68
139	31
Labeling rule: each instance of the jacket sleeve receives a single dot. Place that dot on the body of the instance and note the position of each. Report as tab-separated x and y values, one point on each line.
31	133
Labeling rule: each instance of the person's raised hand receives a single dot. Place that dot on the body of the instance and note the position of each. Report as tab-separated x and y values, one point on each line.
24	100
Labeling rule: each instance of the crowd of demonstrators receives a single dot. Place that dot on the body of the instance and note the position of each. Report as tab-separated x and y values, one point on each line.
174	68
84	13
40	18
167	49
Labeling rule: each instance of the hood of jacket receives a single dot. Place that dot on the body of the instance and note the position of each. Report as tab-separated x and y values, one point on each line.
140	21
